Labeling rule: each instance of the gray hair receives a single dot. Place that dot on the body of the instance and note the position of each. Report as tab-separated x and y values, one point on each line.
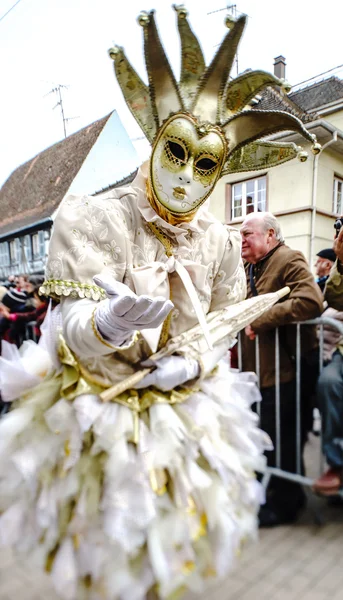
268	221
271	222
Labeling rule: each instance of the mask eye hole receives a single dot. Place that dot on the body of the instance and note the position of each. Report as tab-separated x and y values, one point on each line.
206	164
176	151
175	154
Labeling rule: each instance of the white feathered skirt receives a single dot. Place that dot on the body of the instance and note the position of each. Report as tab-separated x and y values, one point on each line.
114	506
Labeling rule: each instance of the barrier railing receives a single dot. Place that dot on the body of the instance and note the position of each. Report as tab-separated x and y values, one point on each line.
30	331
277	471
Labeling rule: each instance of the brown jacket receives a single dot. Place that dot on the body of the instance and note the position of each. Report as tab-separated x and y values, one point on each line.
282	266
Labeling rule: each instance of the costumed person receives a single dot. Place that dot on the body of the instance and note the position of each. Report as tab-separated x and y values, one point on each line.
154	491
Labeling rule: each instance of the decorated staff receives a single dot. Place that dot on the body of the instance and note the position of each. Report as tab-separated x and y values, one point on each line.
222	325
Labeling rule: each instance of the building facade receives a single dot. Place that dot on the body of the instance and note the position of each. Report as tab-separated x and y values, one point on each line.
97	157
305	196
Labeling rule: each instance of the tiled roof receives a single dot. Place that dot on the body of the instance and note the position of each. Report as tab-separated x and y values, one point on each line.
271	99
125	181
35	189
319	94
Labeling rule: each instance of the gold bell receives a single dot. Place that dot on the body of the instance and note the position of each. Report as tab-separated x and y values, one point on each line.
302	156
113	52
229	21
181	10
143	18
286	86
316	148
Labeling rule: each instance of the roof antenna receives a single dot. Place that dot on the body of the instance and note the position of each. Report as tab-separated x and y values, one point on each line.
57	90
232	13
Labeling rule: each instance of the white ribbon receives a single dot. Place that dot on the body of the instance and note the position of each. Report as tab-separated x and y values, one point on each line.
152	279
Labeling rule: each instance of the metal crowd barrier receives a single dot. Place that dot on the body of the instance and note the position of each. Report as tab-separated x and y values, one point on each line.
276	471
30	331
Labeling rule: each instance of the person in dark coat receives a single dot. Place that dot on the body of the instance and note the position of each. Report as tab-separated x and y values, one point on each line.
271	265
17	316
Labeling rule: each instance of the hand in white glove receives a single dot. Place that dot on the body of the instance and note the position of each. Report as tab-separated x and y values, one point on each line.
171	371
124	312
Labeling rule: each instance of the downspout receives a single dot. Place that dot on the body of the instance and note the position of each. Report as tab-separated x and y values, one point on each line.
314	193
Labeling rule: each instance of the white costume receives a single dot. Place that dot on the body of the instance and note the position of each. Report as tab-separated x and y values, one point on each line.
111	233
154	490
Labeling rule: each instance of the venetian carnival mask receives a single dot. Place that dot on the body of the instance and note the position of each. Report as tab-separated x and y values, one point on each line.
185	164
201	127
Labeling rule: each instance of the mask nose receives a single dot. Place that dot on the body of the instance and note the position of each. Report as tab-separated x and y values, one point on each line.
185	176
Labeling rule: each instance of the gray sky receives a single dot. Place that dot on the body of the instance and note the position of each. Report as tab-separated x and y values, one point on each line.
49	42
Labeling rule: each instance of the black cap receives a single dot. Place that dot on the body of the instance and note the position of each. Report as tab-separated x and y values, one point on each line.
327	253
14	299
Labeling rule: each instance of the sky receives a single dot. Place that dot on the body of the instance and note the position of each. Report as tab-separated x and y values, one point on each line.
44	43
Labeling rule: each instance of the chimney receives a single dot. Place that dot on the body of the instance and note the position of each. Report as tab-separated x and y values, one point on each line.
280	67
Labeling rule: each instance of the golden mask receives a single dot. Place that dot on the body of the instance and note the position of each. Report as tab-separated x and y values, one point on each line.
186	162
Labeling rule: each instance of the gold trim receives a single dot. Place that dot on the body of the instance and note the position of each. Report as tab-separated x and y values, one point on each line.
97	334
73	289
162	237
95	379
164	335
192	60
134	335
168	246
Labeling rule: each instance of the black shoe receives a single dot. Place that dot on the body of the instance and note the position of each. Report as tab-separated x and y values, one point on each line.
271	517
335	501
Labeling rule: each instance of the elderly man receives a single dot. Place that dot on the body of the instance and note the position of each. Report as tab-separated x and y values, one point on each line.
330	389
323	266
270	265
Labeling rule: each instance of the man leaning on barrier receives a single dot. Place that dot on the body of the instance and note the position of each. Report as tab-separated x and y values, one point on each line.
330	389
270	265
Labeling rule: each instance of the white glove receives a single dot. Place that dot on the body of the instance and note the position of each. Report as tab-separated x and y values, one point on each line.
211	358
171	371
124	312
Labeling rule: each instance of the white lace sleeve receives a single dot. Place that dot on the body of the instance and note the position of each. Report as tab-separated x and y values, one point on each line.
229	285
89	237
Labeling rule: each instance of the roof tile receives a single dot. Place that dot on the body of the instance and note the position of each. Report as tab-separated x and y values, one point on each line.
35	189
318	94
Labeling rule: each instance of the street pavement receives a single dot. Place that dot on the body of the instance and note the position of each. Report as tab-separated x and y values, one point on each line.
297	562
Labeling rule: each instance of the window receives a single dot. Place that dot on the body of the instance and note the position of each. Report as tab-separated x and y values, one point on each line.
41	237
38	244
35	245
4	255
28	247
248	196
15	251
337	206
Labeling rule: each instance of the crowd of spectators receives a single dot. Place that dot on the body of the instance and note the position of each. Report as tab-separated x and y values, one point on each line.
330	387
22	309
271	265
